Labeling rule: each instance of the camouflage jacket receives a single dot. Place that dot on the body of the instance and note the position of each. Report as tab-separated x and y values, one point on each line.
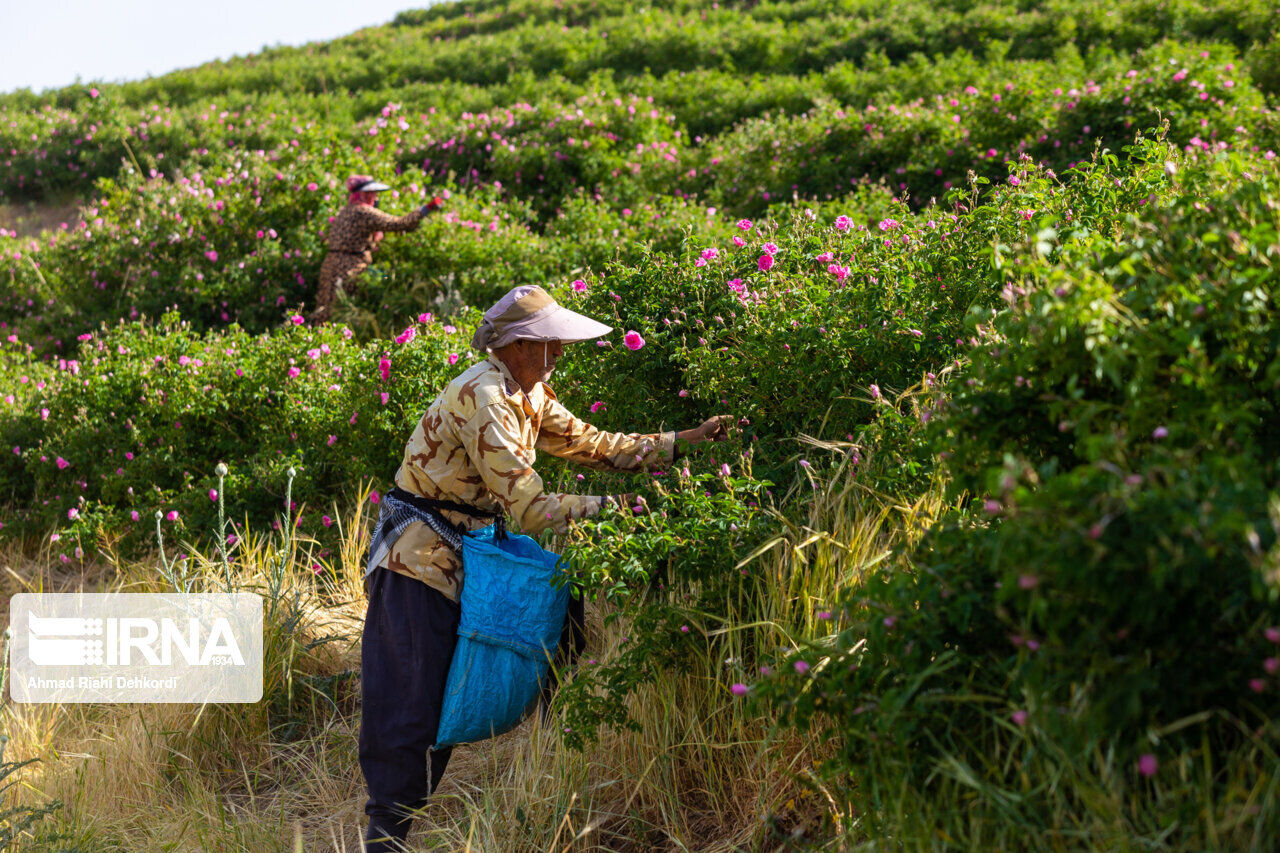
476	445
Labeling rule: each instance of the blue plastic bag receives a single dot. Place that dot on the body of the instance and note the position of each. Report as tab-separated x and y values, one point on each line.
511	621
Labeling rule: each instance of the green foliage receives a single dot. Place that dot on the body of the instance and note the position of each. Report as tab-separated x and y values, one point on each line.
140	421
1115	569
672	572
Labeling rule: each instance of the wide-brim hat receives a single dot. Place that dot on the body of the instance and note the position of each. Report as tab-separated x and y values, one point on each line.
373	187
528	313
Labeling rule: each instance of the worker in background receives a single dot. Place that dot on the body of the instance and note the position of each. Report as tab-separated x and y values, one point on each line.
353	235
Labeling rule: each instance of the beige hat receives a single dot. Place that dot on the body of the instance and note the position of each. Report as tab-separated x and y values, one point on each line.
529	313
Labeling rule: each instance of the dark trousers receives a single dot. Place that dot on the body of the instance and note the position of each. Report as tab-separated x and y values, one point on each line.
410	633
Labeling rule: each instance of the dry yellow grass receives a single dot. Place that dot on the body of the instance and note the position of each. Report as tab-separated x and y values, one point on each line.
700	774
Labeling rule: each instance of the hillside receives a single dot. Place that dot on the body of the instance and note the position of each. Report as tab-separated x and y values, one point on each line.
990	556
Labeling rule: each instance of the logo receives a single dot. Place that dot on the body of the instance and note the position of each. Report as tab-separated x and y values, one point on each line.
118	647
55	641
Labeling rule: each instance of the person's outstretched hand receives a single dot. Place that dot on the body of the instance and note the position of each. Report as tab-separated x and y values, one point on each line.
715	428
435	204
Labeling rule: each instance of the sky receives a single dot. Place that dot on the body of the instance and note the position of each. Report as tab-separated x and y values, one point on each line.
47	43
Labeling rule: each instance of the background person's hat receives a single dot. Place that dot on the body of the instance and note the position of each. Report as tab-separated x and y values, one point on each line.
528	313
365	184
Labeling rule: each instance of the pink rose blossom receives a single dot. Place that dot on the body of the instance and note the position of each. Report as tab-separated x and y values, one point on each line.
172	515
1019	718
765	263
453	358
744	224
1148	765
579	286
801	667
407	335
632	340
213	494
739	689
61	463
384	368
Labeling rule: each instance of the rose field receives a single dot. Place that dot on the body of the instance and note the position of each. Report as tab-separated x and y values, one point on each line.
990	560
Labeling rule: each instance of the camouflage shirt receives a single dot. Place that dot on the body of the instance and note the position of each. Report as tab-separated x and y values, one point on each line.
476	445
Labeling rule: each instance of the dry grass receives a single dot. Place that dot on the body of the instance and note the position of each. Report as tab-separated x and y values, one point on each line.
701	773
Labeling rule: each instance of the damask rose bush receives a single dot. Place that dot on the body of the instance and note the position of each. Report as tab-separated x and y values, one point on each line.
791	323
140	419
1110	583
670	570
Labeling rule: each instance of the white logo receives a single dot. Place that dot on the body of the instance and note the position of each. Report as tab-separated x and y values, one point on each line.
137	647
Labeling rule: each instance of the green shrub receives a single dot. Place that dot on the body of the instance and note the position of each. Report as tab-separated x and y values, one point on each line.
1112	577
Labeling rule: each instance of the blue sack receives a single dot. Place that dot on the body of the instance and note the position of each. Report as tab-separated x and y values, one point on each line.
511	621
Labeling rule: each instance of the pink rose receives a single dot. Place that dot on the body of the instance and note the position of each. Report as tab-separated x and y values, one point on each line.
765	263
632	340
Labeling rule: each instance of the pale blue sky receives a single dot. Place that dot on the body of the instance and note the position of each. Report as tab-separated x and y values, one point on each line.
46	43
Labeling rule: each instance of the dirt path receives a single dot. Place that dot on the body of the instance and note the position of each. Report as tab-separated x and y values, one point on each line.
32	218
